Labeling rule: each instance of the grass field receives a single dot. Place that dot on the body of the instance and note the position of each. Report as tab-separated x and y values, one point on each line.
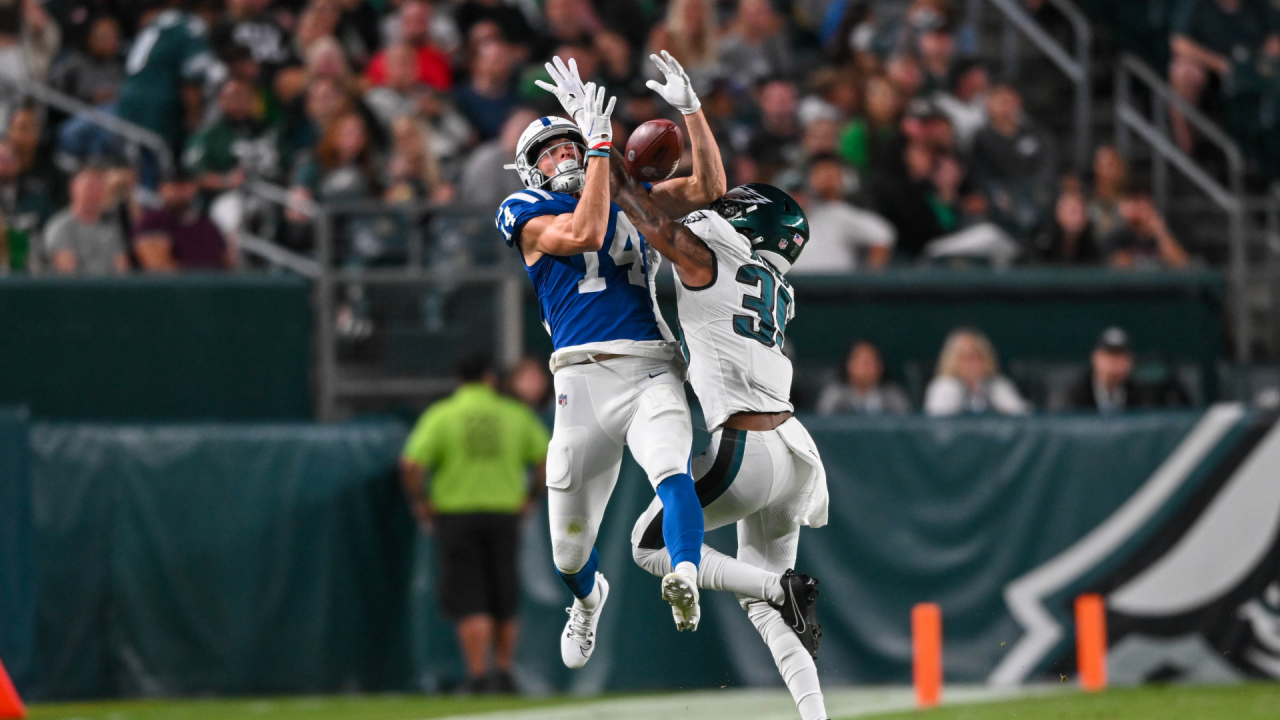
1238	702
1241	702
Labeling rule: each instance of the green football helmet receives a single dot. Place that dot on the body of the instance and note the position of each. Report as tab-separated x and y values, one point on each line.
770	219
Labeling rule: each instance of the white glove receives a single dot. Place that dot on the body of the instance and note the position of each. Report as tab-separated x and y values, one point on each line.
594	118
568	87
679	90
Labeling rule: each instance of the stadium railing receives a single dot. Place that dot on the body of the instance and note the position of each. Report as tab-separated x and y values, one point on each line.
1076	64
1273	267
135	136
1229	197
432	300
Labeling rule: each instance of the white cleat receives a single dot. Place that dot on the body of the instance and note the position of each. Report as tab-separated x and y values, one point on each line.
579	638
680	588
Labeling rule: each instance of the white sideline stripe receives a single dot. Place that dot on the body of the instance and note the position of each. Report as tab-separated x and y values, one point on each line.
757	704
1023	596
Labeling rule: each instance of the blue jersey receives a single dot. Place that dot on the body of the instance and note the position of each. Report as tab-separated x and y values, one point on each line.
593	297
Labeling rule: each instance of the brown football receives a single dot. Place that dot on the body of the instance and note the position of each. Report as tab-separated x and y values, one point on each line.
654	150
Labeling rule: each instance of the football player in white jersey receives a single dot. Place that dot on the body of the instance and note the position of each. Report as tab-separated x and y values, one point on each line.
619	379
762	470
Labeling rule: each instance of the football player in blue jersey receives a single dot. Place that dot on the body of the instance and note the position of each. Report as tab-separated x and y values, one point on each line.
619	375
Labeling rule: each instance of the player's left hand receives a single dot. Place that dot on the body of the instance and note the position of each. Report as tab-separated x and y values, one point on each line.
679	89
567	85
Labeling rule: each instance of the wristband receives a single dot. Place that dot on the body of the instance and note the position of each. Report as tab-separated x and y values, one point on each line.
596	152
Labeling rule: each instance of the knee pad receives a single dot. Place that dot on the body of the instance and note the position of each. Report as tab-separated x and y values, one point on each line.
571	552
668	433
564	458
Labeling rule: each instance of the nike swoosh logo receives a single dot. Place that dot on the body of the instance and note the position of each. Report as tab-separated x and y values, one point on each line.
654	375
799	617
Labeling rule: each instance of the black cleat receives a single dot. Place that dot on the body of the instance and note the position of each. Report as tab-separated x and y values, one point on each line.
798	608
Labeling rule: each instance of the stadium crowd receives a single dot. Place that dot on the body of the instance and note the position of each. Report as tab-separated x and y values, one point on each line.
875	114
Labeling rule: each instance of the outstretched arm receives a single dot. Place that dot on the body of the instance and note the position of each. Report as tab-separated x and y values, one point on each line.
584	229
681	196
694	261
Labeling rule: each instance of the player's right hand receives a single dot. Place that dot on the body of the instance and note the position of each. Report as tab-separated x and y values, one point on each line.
594	119
567	86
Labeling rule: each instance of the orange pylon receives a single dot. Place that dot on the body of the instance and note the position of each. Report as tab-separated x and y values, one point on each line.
10	704
926	643
1091	642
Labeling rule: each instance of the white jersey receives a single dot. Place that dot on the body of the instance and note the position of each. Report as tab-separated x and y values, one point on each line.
733	328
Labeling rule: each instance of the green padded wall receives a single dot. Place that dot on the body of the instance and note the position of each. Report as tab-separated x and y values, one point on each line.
272	558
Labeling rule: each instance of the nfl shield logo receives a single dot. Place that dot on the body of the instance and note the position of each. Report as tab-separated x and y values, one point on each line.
562	400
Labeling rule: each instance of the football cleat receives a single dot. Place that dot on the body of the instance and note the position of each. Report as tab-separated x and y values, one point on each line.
798	608
680	588
579	638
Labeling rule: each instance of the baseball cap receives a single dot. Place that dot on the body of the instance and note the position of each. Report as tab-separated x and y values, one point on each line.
1114	339
923	108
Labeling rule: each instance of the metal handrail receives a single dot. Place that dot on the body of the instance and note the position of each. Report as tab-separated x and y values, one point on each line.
1230	197
281	196
135	134
507	284
1077	68
279	256
1273	264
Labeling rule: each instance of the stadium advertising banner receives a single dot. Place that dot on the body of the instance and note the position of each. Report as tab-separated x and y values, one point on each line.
237	559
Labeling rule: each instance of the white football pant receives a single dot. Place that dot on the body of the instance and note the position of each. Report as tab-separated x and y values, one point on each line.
600	407
763	483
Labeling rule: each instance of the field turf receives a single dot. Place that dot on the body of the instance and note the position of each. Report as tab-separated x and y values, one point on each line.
1164	702
1240	702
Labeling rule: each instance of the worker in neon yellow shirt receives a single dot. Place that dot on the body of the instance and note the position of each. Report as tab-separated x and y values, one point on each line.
466	469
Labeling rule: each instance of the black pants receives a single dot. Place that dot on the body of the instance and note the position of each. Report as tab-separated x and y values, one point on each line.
477	565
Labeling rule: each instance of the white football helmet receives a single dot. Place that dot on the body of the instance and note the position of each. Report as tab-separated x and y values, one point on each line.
571	173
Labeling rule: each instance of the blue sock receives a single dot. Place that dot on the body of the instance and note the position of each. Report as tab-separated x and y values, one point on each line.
582	582
682	527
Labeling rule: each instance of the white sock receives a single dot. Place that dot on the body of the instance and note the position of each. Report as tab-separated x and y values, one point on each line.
721	572
688	569
774	590
794	662
592	599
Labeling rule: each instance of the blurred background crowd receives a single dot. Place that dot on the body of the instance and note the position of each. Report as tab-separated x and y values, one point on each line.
880	116
876	113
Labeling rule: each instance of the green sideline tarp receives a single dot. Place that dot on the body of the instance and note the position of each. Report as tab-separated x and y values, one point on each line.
230	559
17	572
253	559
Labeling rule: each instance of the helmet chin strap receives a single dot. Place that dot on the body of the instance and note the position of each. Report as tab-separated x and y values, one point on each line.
569	178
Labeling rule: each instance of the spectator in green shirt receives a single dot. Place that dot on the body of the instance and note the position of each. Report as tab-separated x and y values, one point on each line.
465	469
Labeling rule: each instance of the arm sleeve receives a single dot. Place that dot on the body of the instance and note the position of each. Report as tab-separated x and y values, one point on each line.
1006	399
153	221
56	236
524	206
197	59
944	397
423	446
